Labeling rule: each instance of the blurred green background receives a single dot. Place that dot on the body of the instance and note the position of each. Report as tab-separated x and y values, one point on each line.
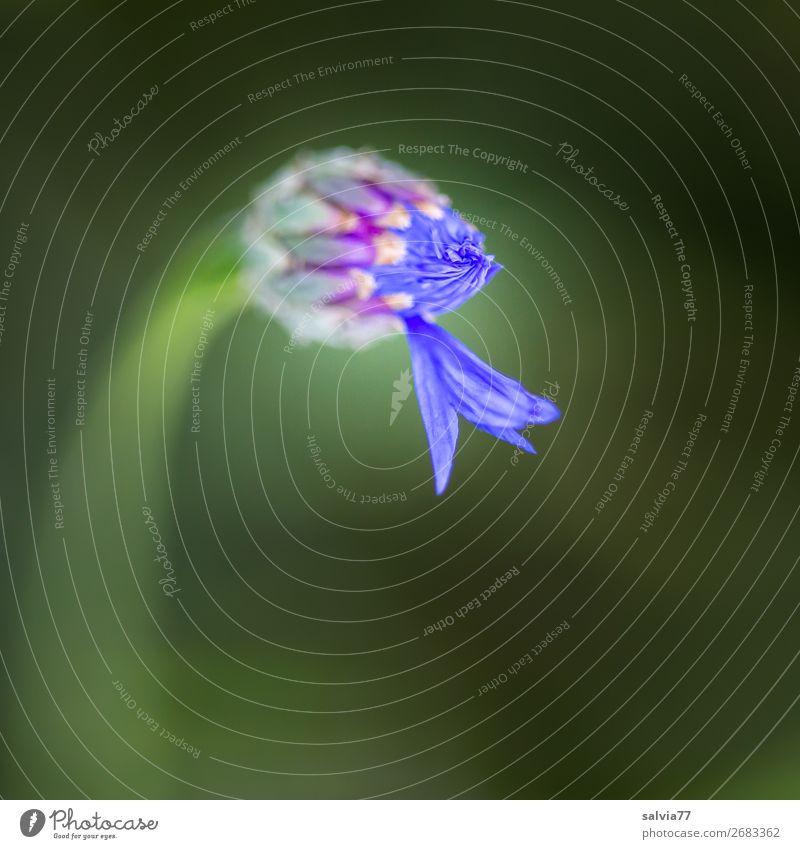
291	659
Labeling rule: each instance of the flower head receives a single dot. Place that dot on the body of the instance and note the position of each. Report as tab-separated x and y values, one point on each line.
346	247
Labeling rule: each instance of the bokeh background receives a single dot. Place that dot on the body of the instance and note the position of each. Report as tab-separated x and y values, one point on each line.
291	658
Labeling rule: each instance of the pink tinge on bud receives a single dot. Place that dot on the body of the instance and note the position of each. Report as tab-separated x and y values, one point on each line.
363	199
348	250
342	251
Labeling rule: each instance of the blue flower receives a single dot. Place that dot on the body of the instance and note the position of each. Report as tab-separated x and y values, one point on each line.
442	263
347	247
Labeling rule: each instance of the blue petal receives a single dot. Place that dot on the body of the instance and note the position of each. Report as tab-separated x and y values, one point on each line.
450	377
438	415
480	393
509	435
